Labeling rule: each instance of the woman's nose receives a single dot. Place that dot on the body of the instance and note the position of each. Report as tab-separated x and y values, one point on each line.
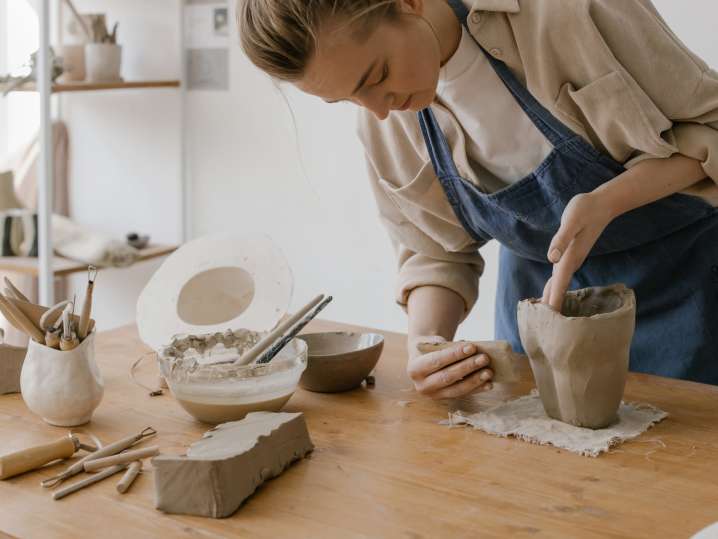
377	102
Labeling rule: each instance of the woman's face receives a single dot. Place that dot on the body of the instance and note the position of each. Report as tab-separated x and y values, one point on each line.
395	68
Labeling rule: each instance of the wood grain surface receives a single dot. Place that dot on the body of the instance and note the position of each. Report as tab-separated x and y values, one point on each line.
384	467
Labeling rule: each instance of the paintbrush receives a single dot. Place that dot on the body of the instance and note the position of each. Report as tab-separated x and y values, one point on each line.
264	343
281	343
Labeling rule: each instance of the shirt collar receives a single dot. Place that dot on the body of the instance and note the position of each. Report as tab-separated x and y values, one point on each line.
510	6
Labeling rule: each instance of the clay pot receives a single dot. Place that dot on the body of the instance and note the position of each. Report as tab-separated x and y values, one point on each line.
579	357
63	388
339	361
103	62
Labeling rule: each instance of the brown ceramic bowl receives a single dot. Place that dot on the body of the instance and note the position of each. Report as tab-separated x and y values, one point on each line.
339	361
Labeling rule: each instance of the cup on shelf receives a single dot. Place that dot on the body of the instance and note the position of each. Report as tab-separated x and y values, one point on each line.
73	62
103	62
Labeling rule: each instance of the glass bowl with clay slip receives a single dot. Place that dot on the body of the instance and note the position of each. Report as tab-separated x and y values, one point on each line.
201	374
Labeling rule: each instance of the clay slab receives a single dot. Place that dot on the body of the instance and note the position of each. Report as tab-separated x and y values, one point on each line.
503	358
11	360
229	463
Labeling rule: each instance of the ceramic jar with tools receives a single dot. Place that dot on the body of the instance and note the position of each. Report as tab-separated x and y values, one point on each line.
60	380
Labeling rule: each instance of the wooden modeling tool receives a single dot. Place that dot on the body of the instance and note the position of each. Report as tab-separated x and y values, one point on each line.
95	478
106	451
68	340
132	472
502	356
87	305
121	458
272	336
52	315
14	291
35	312
37	456
52	339
281	343
24	324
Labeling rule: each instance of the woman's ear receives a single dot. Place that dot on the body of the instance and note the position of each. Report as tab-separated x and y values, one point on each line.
411	7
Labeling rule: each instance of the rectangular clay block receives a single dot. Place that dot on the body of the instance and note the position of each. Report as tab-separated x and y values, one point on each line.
503	357
11	360
229	463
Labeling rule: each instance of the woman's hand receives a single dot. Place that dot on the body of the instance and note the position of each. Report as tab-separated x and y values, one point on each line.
449	373
583	221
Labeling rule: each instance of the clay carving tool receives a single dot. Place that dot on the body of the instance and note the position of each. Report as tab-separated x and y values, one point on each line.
87	305
264	343
106	451
281	343
52	339
503	358
95	478
69	340
129	477
121	458
35	457
24	323
52	315
14	291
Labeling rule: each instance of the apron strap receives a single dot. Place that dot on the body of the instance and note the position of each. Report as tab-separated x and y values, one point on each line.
436	144
544	121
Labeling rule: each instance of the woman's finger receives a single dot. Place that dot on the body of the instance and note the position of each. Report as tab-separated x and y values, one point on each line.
427	364
480	379
546	291
561	279
452	374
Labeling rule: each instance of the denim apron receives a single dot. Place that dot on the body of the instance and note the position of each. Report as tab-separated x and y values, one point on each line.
667	251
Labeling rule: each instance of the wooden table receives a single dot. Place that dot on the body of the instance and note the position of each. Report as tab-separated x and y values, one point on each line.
384	467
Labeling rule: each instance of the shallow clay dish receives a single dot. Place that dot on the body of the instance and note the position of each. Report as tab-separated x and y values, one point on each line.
339	361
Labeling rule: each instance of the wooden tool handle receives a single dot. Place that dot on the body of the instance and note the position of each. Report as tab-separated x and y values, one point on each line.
61	493
269	339
34	457
503	358
25	324
86	308
129	477
121	458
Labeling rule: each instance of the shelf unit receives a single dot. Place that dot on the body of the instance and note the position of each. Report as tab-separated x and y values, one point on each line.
62	87
46	265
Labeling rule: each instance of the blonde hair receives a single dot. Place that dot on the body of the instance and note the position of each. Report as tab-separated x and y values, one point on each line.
280	36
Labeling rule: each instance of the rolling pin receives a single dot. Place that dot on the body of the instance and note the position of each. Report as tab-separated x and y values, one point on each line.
502	356
33	458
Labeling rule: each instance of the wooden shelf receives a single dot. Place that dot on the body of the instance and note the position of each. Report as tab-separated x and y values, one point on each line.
99	86
65	266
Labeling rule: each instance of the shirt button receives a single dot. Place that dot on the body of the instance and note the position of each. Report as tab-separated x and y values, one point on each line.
476	17
495	52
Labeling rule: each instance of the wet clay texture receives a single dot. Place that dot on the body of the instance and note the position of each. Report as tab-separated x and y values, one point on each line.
11	360
502	356
579	357
229	463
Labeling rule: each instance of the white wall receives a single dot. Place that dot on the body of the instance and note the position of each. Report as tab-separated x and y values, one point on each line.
125	158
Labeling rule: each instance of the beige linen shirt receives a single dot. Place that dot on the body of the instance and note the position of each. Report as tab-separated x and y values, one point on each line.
611	70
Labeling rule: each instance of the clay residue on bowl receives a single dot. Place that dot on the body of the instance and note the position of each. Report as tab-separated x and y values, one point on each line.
203	377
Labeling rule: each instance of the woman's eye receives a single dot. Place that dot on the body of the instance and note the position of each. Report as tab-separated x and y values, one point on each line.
384	75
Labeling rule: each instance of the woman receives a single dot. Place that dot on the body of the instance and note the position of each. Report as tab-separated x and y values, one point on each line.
581	134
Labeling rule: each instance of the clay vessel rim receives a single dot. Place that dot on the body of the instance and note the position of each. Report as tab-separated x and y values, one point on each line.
376	340
627	295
